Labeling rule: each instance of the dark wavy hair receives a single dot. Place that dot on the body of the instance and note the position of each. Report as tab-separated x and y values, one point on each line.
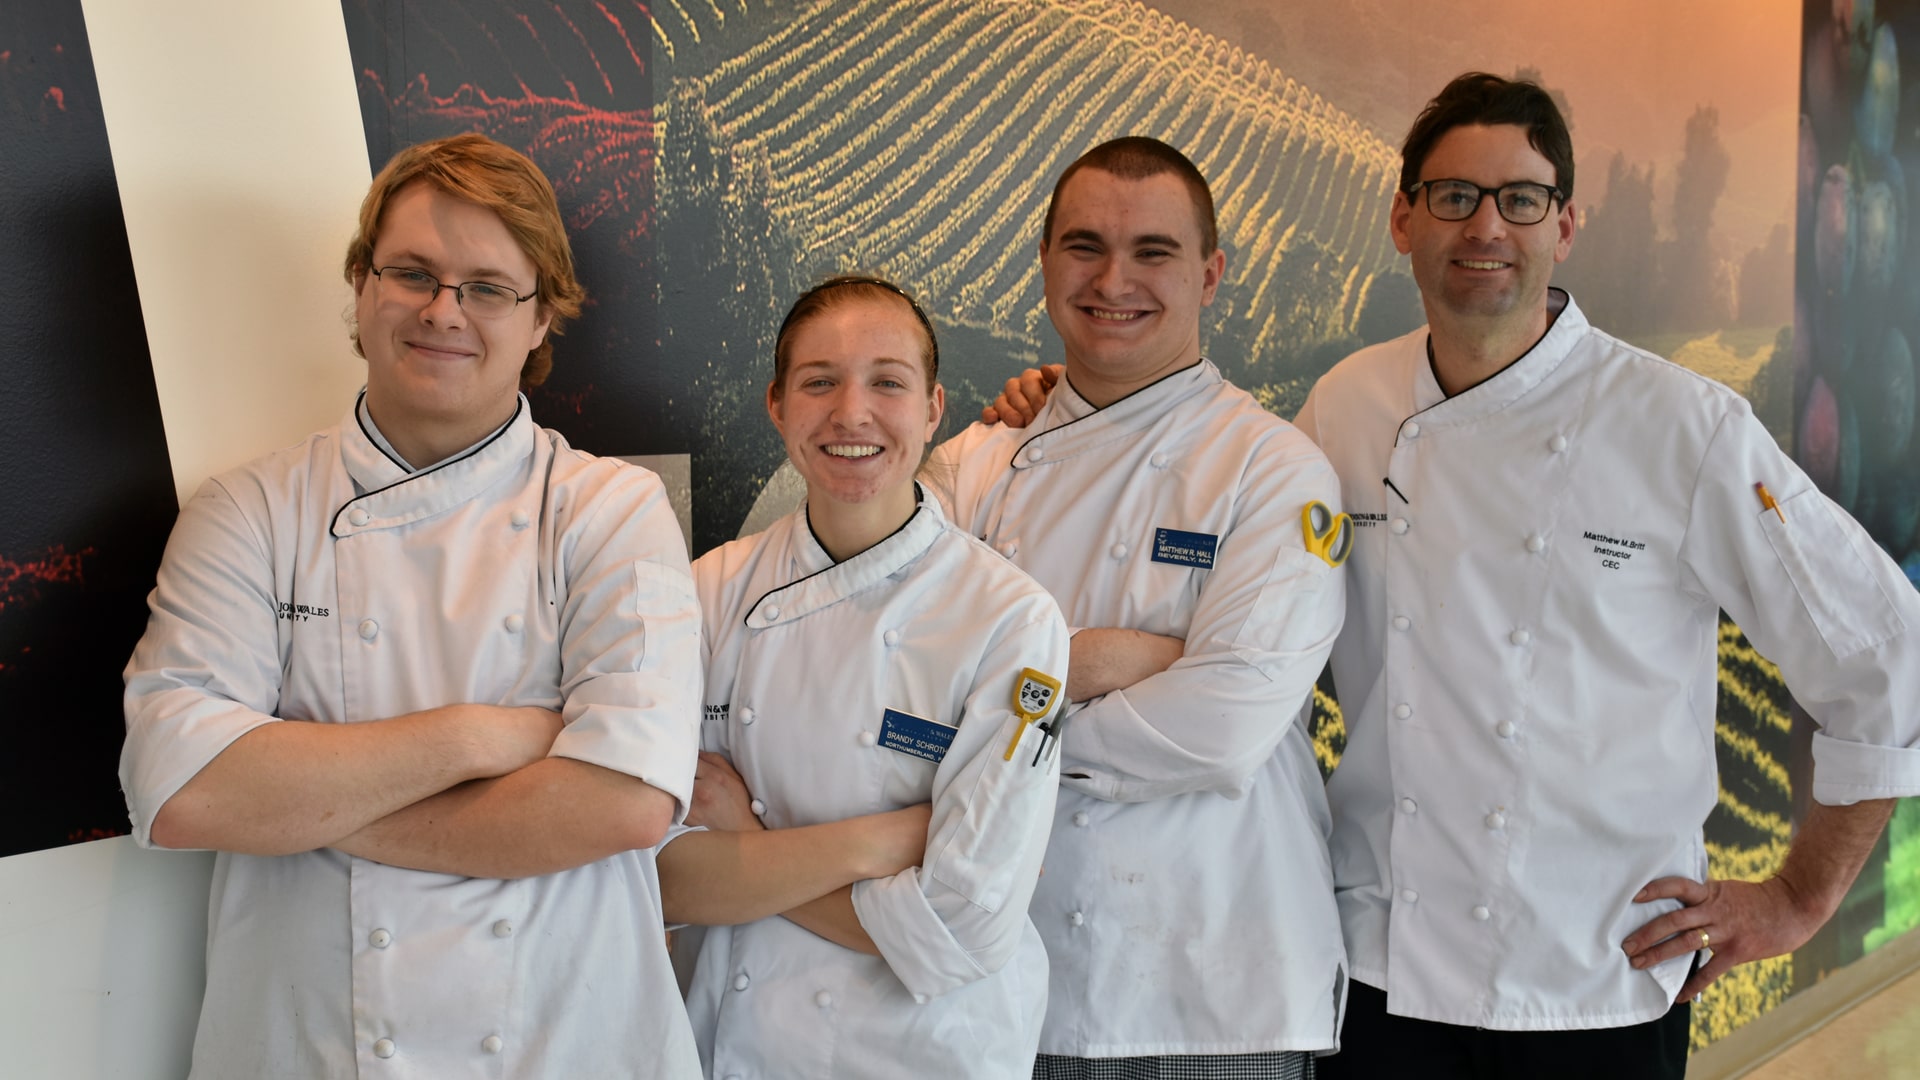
1480	98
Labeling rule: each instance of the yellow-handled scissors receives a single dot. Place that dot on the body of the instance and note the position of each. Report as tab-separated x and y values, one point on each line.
1327	534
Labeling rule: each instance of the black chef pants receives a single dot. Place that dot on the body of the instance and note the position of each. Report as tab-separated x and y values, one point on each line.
1376	1046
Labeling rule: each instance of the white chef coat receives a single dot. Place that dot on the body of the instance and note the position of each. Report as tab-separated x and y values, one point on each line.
328	583
1187	905
1528	671
806	657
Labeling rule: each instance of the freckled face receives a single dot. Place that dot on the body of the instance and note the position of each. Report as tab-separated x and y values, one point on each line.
1484	267
856	412
1125	278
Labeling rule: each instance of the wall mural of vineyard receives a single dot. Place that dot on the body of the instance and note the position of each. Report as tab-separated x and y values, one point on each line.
779	141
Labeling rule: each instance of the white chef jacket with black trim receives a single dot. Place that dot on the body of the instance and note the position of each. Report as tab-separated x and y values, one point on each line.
328	583
806	660
1528	671
1187	905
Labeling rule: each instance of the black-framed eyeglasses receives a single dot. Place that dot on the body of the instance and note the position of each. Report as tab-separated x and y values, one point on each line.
483	298
1522	203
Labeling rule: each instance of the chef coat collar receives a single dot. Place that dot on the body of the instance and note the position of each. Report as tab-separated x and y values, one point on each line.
827	582
1070	426
1513	382
393	494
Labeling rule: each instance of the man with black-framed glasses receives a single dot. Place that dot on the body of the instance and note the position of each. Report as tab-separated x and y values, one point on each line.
1550	523
428	681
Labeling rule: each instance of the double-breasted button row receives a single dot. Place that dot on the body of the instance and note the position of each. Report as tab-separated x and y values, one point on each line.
385	1048
369	629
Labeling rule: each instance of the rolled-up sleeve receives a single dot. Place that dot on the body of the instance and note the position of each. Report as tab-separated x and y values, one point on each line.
1266	618
961	915
1816	595
630	639
207	670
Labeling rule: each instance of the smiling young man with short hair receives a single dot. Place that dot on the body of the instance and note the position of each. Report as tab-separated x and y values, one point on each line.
429	683
1187	903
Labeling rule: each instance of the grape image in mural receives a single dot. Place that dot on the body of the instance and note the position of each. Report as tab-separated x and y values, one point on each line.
1858	309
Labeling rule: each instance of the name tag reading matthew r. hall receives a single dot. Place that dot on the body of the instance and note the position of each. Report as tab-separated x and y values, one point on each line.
915	737
1185	548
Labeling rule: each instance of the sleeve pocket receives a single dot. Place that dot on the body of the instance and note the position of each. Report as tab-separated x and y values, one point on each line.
1831	576
1269	633
662	594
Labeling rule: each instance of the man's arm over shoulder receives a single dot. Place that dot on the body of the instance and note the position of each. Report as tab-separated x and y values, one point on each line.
961	472
1268	613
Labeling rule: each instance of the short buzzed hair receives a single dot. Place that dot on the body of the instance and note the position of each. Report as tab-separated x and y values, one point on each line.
1137	157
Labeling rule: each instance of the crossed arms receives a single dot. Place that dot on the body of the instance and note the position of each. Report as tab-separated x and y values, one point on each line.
219	755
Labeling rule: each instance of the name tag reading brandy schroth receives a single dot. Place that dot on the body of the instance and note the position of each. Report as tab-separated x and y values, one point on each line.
1185	548
907	734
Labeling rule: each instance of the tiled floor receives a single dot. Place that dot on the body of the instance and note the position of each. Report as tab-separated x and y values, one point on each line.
1879	1039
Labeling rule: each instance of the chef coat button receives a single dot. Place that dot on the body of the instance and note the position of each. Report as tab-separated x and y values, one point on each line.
1076	919
359	516
1035	454
1409	896
740	981
1158	461
369	629
1519	637
1402	711
1409	805
1009	549
1557	443
1080	818
1401	622
1536	543
770	612
823	999
1496	820
384	1048
1481	913
757	807
746	714
514	623
1119	551
1410	429
1399	526
380	939
491	1044
866	738
1504	729
502	928
920	999
891	637
520	519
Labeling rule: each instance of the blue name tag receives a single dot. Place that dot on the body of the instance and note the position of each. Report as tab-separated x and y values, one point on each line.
915	737
1184	548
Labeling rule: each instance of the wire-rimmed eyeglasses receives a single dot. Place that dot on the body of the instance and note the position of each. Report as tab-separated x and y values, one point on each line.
1522	203
483	298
